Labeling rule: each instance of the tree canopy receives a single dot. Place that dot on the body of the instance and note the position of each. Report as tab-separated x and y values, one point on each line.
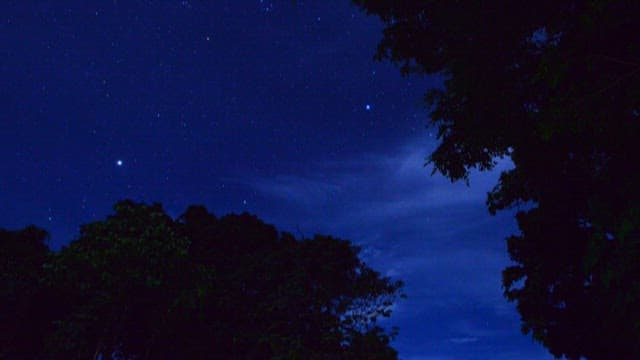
23	318
141	285
554	86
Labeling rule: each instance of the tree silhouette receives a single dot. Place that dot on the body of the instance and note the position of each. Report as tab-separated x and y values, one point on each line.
142	285
23	319
554	85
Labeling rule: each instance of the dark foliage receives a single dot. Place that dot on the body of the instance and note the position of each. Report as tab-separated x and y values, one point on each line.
141	285
23	318
555	86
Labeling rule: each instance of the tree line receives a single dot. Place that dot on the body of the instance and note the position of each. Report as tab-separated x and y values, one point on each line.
141	285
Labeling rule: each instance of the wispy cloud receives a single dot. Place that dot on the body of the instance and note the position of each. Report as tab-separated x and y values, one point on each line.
435	235
409	221
378	186
301	189
463	340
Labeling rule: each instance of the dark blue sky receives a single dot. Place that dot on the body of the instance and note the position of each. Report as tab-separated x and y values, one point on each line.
276	108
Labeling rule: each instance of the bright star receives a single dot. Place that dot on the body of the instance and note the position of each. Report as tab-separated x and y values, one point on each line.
119	162
367	107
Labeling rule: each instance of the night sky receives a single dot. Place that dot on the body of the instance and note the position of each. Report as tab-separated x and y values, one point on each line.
275	108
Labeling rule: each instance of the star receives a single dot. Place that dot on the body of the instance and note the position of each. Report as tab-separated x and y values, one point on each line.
367	107
119	163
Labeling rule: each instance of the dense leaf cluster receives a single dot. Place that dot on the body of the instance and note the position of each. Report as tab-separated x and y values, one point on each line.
555	86
140	285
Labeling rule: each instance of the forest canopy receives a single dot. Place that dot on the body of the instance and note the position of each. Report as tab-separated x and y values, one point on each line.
141	285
